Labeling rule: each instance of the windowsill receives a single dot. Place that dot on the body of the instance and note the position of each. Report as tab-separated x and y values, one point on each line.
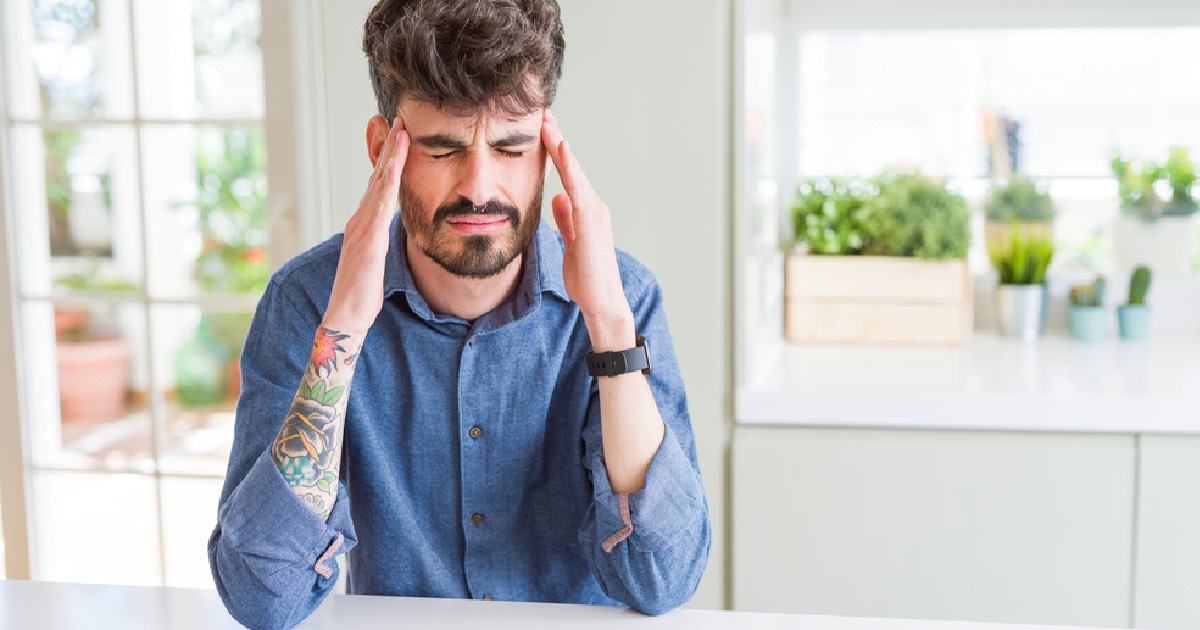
991	383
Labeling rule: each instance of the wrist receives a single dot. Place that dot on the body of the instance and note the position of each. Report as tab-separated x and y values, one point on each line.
611	332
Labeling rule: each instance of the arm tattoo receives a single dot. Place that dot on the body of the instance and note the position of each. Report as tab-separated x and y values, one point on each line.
309	445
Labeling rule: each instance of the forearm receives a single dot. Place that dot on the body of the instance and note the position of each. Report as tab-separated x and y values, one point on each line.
308	448
631	426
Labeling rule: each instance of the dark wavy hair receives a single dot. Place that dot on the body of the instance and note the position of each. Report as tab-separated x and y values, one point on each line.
465	56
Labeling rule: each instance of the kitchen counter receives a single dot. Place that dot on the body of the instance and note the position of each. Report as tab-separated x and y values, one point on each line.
991	383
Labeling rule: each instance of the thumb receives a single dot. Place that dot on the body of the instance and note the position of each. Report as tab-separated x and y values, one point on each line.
561	204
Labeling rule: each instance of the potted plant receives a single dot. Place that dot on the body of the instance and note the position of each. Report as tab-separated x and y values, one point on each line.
231	217
1019	204
881	261
1155	228
1133	317
1086	316
93	358
1021	300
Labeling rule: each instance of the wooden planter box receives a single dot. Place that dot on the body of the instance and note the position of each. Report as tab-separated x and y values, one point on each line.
878	300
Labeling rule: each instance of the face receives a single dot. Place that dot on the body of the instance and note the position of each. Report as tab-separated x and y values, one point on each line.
471	190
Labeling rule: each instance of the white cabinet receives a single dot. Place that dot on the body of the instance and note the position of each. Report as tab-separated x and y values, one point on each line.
988	526
1167	596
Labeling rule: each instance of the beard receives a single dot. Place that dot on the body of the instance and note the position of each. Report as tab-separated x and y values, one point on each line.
472	256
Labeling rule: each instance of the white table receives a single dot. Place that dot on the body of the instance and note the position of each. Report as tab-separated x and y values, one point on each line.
56	606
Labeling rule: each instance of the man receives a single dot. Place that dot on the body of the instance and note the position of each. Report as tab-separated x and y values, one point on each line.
477	414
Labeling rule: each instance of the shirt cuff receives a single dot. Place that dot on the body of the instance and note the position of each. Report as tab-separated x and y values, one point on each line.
672	501
273	530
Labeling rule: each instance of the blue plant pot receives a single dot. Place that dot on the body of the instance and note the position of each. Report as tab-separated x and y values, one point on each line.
1088	323
1133	320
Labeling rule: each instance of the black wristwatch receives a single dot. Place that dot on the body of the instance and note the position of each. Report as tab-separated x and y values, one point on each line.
623	362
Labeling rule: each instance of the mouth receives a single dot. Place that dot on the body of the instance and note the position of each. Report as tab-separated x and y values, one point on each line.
478	224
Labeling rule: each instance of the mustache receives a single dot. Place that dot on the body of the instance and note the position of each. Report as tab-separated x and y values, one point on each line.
464	207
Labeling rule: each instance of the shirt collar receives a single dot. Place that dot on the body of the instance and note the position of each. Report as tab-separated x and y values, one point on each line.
541	273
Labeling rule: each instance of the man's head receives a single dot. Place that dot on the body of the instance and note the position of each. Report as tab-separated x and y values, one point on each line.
470	79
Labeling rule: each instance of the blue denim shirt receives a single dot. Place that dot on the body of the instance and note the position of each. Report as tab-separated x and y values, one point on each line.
472	464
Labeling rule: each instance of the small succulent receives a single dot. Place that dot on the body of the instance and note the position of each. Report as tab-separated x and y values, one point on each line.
1139	285
1088	295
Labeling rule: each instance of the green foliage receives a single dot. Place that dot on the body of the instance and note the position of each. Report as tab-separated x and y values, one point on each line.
1088	295
1136	181
1180	172
1139	285
317	392
915	216
1023	260
829	216
1020	199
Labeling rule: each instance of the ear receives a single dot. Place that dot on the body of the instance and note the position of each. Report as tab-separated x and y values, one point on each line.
377	133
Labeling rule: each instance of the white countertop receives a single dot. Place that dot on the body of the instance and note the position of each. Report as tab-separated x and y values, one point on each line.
54	606
992	383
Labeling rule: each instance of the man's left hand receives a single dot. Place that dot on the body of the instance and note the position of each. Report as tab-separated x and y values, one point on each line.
590	270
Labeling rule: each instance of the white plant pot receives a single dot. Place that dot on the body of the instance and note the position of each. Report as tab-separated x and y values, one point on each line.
1167	245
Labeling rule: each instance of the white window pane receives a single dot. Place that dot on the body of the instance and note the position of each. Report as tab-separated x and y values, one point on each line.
876	100
189	514
199	58
96	527
76	209
205	191
69	59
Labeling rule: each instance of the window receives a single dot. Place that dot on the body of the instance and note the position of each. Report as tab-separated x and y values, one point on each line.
1059	100
136	136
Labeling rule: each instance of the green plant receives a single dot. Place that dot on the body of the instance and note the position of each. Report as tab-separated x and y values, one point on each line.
1023	260
232	220
1139	285
1021	200
1088	295
1180	173
915	216
1136	181
828	214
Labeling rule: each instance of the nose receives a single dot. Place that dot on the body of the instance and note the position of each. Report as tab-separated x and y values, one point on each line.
479	183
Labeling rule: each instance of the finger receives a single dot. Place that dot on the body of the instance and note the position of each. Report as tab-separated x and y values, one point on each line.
564	217
554	142
382	158
390	192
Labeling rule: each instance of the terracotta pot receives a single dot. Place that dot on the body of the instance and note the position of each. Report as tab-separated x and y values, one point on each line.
93	379
233	378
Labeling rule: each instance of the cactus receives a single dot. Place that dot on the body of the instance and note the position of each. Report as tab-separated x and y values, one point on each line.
1139	285
1088	295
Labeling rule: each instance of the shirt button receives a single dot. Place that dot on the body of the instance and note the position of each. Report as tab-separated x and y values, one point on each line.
477	519
487	598
475	432
471	341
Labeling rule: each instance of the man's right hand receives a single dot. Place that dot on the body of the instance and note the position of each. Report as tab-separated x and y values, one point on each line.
357	295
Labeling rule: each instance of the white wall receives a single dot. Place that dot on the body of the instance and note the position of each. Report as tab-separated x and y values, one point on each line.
644	103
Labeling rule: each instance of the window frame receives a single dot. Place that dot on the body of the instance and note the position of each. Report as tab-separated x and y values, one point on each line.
279	125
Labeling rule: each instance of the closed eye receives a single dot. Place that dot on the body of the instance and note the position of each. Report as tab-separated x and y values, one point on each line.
441	156
511	154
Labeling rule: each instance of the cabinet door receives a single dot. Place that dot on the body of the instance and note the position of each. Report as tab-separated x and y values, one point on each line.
1004	527
1168	534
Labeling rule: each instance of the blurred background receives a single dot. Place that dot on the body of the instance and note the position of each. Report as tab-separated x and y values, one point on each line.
899	245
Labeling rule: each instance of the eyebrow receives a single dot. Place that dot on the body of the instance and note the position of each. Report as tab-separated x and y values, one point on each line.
445	141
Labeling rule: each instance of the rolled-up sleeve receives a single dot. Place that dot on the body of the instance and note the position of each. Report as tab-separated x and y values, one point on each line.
649	549
272	557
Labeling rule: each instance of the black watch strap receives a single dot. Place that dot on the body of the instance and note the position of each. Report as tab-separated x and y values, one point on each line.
616	363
